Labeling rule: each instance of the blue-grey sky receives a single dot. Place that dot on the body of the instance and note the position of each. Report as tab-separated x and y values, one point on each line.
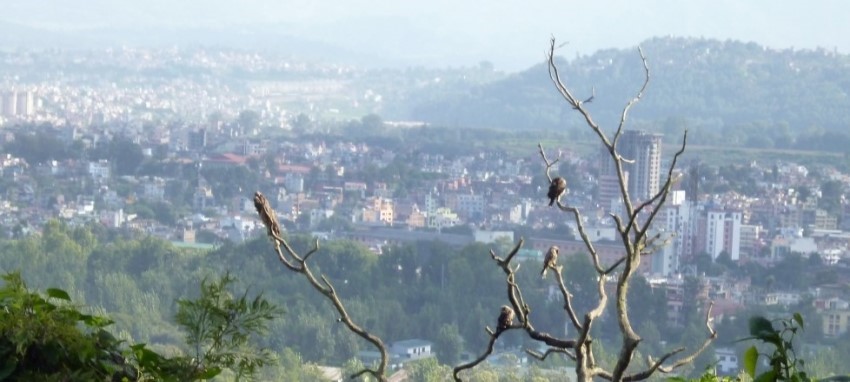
510	33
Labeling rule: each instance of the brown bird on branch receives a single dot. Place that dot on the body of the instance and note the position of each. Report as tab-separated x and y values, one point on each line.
506	318
267	215
556	189
549	260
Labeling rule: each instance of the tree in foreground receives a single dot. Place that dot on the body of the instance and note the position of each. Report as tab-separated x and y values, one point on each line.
634	227
219	328
635	230
46	338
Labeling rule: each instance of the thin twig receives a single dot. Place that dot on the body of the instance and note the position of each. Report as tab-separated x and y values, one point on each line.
489	350
712	335
568	299
549	351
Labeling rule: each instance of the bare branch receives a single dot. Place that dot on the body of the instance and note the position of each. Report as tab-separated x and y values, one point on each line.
594	256
312	251
614	266
568	96
521	310
652	368
299	265
482	357
665	190
546	161
568	299
712	335
634	100
542	357
588	99
633	232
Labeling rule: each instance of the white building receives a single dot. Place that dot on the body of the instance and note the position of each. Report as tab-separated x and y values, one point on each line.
678	223
482	236
294	183
727	361
665	261
723	233
99	170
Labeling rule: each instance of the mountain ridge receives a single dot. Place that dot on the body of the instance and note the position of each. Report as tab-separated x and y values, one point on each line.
705	82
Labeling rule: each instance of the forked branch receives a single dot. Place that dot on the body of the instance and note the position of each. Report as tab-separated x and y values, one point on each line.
712	335
489	350
542	356
297	263
633	232
521	309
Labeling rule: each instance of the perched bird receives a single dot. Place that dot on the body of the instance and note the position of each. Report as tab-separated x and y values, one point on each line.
266	214
549	260
556	189
506	318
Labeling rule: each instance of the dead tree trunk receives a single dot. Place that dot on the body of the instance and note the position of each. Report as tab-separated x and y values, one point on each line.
633	228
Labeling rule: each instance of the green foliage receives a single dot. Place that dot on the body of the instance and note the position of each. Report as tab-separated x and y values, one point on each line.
219	328
124	155
404	293
783	361
49	339
450	343
428	370
708	376
292	368
38	146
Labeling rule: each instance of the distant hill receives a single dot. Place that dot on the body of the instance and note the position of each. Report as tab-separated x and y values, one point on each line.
714	87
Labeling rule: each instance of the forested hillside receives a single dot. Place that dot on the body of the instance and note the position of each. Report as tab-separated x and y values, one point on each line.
725	91
409	292
429	291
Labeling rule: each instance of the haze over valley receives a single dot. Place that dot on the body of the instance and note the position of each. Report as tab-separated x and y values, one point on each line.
170	166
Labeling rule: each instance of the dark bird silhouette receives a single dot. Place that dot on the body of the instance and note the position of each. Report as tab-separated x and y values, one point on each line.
267	215
506	318
549	260
556	189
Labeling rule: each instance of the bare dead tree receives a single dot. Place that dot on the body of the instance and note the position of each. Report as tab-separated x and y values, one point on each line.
297	263
633	228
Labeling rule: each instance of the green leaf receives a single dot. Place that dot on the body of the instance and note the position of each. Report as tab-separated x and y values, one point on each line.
768	376
799	318
8	368
58	293
750	358
96	321
759	325
210	373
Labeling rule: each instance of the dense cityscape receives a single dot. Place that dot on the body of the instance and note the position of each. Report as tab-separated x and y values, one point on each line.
171	144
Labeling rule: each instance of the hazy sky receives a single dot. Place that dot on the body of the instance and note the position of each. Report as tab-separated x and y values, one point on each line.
510	33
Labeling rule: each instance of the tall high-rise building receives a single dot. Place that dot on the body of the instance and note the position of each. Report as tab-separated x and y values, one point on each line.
642	166
9	106
677	224
723	234
644	150
25	103
17	103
